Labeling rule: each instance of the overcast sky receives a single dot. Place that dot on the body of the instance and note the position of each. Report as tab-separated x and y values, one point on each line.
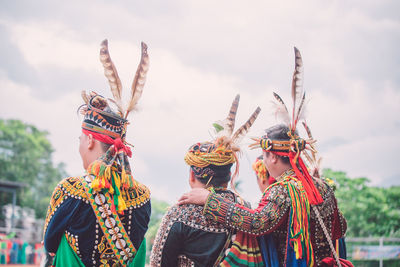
202	54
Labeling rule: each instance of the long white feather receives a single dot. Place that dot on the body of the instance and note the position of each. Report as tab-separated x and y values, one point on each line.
297	85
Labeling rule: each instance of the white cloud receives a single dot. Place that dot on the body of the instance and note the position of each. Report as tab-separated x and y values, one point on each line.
371	157
53	44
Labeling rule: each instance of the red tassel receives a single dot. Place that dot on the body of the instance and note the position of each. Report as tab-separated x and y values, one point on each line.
107	184
313	195
112	206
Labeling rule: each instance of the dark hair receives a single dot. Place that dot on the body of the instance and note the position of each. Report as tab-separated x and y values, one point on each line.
104	146
279	132
220	174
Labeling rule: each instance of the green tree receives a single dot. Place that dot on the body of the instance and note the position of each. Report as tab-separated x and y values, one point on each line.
26	156
369	210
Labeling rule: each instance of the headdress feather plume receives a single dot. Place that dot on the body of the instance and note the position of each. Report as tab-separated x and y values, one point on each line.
301	109
226	126
281	111
139	80
298	97
232	114
112	75
297	86
246	127
229	141
313	159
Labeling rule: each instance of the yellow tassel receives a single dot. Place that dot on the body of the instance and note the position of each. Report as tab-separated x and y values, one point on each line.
111	190
121	204
107	173
95	184
117	181
124	177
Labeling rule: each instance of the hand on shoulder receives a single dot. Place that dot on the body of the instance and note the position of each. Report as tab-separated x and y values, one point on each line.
196	196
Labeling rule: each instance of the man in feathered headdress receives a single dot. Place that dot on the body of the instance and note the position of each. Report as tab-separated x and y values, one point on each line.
100	218
299	211
185	236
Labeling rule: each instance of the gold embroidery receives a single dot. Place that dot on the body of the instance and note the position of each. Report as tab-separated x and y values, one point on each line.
137	196
106	253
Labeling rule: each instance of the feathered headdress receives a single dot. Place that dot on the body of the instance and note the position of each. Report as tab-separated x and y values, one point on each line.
313	160
293	147
223	150
115	83
112	170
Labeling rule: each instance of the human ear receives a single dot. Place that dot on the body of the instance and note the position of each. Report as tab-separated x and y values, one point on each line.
192	179
274	158
264	182
90	141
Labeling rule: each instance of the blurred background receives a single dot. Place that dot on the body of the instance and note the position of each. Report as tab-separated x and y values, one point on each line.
202	53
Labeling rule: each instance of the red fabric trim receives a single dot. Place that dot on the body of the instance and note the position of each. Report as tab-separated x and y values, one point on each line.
118	144
314	197
329	261
271	180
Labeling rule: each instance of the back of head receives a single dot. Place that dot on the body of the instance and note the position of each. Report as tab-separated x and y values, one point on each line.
278	132
217	173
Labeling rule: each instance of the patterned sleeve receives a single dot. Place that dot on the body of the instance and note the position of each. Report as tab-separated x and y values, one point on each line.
62	207
271	212
157	257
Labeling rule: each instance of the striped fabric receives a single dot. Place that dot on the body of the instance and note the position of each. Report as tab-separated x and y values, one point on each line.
244	252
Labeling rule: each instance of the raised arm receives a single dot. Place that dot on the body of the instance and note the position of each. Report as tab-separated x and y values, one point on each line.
271	212
268	216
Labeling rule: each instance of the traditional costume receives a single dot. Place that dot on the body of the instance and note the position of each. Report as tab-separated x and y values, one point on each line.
294	211
100	218
185	237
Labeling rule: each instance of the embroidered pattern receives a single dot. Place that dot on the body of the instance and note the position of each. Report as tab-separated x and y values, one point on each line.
73	242
275	206
272	217
184	261
111	224
190	215
72	187
136	197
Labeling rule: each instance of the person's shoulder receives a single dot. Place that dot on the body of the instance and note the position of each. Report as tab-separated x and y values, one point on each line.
185	209
277	189
192	216
323	187
136	195
185	213
71	187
